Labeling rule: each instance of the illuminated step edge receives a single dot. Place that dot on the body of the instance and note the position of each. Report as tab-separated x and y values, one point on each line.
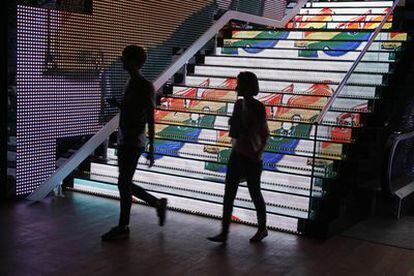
293	75
316	24
156	181
305	53
368	19
207	137
350	4
299	88
331	65
289	183
328	36
279	129
310	45
285	100
290	115
345	10
284	163
194	206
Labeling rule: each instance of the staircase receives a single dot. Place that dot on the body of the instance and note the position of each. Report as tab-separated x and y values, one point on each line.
299	67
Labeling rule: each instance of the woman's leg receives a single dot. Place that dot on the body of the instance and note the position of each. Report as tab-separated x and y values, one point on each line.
254	171
233	175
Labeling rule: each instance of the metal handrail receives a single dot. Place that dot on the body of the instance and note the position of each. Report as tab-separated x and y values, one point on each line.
77	158
354	65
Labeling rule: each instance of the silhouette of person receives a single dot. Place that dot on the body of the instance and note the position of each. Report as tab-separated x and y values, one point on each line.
249	133
136	110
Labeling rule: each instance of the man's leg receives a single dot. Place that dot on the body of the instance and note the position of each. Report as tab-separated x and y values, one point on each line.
127	162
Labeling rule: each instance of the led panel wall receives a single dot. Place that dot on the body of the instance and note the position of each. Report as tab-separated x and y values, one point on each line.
68	63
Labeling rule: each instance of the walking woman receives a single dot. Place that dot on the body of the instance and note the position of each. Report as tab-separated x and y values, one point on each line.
249	132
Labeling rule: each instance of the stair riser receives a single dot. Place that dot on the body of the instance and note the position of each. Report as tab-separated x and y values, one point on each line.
274	86
217	156
269	99
309	44
272	74
344	10
193	206
186	166
350	4
319	35
289	115
310	53
297	64
285	129
200	186
275	144
319	24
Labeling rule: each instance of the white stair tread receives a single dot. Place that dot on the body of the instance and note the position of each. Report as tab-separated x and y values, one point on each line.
197	185
199	167
194	206
266	98
266	85
351	4
297	64
358	78
297	53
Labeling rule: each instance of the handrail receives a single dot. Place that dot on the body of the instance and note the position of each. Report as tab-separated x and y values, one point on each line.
77	158
354	65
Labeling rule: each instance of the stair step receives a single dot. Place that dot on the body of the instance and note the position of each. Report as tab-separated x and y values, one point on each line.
155	180
194	206
302	45
215	157
281	114
283	145
304	88
346	10
350	4
303	25
307	64
337	35
280	129
290	74
272	180
184	95
339	52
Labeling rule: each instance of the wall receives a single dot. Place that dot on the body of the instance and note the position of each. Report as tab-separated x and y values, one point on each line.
68	63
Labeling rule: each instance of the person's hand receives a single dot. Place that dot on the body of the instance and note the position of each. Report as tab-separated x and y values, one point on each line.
151	156
112	102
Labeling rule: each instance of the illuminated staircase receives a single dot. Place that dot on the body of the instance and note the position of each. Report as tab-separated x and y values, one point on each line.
299	68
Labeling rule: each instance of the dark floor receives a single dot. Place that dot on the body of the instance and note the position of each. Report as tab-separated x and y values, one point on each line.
62	237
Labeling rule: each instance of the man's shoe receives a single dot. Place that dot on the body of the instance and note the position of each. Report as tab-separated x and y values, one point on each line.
162	210
222	237
116	233
259	236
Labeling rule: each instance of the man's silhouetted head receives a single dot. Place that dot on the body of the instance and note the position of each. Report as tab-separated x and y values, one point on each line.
133	57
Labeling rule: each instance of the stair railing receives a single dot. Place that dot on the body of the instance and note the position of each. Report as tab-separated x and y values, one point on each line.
319	120
87	149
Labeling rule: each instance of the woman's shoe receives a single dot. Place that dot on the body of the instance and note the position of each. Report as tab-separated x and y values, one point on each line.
219	238
259	236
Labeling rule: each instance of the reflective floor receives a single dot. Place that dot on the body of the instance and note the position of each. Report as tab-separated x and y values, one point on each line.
62	237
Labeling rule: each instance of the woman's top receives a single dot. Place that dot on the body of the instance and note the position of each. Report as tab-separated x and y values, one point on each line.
248	128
